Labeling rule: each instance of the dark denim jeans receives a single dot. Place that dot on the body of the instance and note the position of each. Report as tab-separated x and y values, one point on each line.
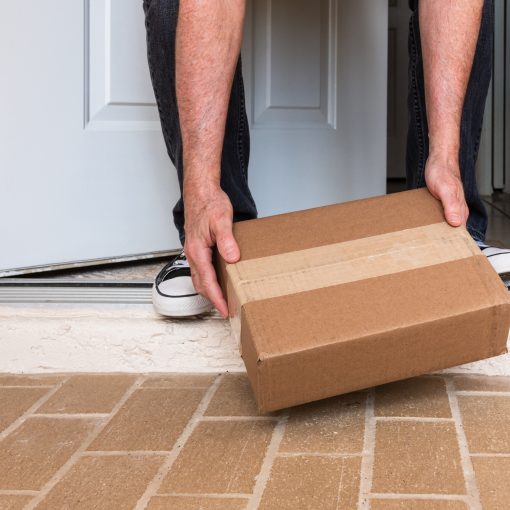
471	122
161	23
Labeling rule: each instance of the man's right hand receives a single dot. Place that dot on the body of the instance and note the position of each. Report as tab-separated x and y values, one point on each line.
208	222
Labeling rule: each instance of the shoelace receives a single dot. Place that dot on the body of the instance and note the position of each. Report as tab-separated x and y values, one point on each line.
178	263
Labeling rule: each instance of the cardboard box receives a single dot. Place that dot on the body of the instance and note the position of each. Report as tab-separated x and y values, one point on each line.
344	297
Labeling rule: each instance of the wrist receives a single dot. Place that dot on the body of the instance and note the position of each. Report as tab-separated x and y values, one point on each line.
444	145
200	184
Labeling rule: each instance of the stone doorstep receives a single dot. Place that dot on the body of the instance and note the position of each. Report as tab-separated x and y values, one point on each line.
45	338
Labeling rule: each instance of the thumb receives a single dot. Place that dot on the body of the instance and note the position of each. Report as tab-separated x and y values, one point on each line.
453	204
226	243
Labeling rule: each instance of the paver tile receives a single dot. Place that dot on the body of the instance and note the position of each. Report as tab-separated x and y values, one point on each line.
233	397
220	457
420	396
32	454
179	381
30	379
334	425
305	482
195	503
492	476
14	502
416	458
115	482
88	394
151	419
15	401
486	423
481	383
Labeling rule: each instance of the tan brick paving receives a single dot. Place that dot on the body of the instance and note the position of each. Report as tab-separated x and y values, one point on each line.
486	423
233	398
32	454
312	482
14	502
15	401
179	381
151	419
220	457
195	503
421	396
332	426
126	478
197	441
88	394
418	458
493	475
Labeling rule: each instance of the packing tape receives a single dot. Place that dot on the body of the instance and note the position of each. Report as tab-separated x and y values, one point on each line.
359	259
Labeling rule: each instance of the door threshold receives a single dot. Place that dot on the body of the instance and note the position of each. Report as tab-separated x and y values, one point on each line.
67	290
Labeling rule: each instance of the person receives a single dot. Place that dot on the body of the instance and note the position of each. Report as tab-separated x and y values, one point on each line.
193	49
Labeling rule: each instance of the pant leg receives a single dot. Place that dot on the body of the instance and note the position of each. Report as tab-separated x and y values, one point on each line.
471	121
161	23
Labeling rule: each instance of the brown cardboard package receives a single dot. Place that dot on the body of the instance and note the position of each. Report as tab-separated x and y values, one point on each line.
339	298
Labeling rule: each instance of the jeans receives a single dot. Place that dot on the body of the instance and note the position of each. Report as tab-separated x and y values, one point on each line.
161	22
471	120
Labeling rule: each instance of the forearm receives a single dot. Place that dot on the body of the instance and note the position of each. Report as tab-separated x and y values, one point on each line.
449	32
208	43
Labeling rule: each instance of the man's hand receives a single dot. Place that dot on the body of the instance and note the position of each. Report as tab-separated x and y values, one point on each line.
207	47
442	175
208	222
448	31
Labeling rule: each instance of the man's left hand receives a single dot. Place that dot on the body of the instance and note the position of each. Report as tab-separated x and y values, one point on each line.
442	175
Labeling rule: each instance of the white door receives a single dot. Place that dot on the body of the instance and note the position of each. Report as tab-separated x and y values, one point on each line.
83	169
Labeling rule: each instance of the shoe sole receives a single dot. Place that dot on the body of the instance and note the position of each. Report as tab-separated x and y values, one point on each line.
179	306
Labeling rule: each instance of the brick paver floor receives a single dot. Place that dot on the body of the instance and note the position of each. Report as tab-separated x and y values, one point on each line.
189	442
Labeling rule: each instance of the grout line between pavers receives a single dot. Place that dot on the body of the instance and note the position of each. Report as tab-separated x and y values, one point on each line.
474	393
367	461
69	416
163	387
120	453
414	418
155	484
239	418
465	460
12	492
21	419
267	463
48	486
319	454
231	495
27	386
446	497
502	455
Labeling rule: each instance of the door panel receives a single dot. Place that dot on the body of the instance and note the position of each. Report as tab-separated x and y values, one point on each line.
315	74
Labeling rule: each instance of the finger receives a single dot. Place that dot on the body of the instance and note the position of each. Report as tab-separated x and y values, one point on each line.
225	241
204	277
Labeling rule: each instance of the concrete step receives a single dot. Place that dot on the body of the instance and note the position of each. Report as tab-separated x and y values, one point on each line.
105	337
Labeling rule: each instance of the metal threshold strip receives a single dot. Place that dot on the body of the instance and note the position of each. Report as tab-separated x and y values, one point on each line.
51	290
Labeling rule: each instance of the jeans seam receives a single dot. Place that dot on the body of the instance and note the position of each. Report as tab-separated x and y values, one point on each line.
240	134
417	108
153	76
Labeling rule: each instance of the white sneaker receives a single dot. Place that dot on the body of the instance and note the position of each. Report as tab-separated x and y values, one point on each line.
173	293
500	260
